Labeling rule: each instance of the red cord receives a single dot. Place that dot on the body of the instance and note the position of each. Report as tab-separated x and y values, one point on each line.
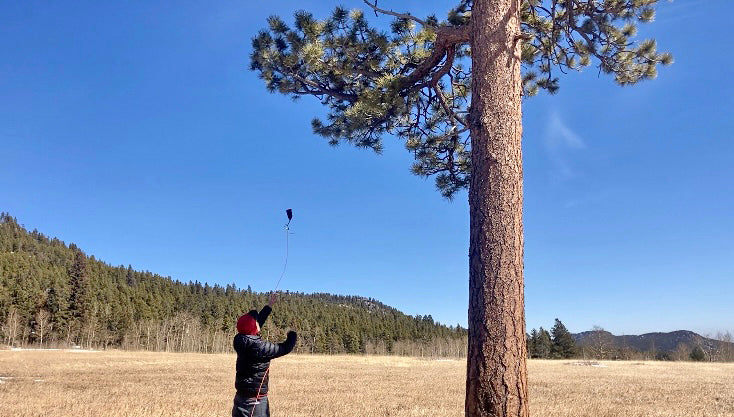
257	397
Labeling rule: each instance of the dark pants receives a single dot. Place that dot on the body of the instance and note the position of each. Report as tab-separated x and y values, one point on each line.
250	407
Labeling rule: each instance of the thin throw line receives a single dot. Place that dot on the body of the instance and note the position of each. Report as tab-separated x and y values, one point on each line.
285	264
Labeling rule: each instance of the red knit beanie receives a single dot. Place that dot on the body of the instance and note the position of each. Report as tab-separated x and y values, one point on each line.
247	324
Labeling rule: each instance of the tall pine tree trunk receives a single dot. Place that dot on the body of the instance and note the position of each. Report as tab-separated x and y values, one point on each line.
496	382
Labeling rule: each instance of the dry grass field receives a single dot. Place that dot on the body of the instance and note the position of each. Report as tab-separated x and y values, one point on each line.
76	384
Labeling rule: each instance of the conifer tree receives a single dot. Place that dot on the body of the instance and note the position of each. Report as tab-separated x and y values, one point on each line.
698	354
563	346
539	344
451	90
80	300
544	344
531	338
130	276
57	303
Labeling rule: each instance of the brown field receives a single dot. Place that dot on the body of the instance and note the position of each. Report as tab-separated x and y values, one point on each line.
66	384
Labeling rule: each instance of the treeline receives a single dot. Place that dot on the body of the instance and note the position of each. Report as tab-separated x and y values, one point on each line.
681	345
52	294
717	351
556	344
598	344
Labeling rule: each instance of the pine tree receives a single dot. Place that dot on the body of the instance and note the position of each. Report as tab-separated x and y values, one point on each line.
543	344
57	303
539	345
531	338
697	354
459	114
563	346
130	276
80	300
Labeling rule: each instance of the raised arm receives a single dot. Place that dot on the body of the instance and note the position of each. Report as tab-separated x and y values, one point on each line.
263	315
268	351
265	312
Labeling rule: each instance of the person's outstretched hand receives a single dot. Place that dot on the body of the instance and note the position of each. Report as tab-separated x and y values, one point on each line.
273	299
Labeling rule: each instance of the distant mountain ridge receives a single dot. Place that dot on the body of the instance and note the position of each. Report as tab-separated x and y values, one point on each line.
659	342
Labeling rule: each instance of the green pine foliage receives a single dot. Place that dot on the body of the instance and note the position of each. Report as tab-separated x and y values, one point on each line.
54	289
697	354
563	345
540	344
568	35
413	81
373	84
556	344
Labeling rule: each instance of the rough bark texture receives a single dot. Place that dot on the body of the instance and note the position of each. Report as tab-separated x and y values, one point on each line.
496	382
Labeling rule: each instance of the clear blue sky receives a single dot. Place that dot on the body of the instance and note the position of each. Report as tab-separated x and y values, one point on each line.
137	132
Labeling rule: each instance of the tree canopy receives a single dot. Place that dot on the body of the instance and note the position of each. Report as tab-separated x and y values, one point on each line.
563	345
413	81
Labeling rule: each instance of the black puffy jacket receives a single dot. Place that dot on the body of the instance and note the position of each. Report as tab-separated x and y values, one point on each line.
253	359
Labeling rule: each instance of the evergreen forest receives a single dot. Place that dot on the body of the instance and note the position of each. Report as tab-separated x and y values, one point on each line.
52	294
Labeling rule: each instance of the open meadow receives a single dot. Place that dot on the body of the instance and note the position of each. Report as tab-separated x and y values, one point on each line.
146	384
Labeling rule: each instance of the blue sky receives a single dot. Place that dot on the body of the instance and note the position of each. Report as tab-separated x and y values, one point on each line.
137	132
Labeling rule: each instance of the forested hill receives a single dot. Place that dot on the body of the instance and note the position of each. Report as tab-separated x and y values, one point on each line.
678	345
53	294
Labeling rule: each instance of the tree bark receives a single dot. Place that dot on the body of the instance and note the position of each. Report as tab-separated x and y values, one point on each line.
496	383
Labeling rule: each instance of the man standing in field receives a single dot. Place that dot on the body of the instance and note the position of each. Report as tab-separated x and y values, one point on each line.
253	363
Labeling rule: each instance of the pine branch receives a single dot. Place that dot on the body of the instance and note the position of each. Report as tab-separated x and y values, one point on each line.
449	111
445	68
447	38
406	16
320	90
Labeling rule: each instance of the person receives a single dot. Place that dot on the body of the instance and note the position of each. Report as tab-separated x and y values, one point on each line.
253	363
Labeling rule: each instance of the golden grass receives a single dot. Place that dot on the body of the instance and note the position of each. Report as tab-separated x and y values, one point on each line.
66	384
